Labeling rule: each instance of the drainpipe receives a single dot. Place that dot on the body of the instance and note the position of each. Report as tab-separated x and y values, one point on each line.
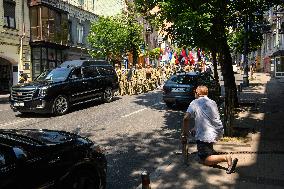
22	36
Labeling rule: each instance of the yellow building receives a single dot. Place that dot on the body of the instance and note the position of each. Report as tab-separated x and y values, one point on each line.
14	42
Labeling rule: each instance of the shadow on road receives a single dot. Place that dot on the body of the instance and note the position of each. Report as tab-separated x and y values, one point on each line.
149	151
74	108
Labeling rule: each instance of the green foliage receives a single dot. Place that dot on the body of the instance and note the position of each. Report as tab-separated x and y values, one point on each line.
200	23
107	37
249	14
154	53
112	37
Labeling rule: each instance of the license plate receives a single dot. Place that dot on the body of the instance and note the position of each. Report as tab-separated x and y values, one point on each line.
178	89
19	104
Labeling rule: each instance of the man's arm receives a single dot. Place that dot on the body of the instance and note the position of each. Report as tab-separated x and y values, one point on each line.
185	125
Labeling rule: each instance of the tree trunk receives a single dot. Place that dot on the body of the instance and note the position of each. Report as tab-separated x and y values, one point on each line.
226	67
231	98
135	55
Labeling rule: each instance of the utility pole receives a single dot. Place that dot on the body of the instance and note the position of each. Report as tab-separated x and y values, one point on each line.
245	66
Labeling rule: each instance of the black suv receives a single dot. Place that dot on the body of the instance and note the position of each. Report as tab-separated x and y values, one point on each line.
74	82
50	159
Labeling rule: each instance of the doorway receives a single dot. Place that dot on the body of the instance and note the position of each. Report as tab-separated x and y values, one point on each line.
6	77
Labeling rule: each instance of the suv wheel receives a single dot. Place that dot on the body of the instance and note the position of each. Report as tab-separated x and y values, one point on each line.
108	95
60	105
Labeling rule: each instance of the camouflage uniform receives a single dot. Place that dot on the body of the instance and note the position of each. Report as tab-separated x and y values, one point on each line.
122	83
140	78
167	72
187	68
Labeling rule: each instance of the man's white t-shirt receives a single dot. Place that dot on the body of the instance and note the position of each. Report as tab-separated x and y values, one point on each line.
208	126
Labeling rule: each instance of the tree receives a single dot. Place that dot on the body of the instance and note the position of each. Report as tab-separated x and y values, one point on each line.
112	37
107	38
155	53
206	24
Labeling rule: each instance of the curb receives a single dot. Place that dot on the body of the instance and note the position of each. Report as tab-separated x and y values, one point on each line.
4	98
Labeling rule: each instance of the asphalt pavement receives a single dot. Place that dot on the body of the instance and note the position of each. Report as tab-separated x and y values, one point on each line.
260	152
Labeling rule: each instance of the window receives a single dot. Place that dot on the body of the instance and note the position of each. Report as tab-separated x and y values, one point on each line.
90	71
53	26
80	33
6	155
44	58
76	74
9	14
35	26
81	2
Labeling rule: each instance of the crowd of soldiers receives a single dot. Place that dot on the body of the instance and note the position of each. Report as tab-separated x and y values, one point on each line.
139	79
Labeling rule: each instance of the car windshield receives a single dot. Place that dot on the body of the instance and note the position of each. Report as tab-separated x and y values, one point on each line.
184	79
55	75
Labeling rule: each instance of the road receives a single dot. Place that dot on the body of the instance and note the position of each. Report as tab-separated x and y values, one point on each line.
138	132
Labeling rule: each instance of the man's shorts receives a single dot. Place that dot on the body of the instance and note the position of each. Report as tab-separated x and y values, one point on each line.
205	149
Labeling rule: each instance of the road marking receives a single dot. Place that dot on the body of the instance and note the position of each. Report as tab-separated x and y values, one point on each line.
156	104
14	122
127	115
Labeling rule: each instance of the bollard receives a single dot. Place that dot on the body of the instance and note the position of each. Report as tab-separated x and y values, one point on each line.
145	180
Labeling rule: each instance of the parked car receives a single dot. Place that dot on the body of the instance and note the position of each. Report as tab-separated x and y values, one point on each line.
74	82
50	159
179	89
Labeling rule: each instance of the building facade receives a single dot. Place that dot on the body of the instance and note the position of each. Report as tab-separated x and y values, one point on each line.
59	32
14	42
272	50
36	35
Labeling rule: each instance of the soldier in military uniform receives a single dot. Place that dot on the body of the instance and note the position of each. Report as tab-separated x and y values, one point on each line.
140	79
122	82
153	81
187	68
148	73
167	72
158	72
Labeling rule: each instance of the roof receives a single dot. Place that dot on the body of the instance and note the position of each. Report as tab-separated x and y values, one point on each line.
76	63
188	73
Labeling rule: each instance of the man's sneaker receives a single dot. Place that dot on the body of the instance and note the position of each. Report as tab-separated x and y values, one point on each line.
232	168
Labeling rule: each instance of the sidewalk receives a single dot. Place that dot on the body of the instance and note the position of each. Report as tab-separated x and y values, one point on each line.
260	159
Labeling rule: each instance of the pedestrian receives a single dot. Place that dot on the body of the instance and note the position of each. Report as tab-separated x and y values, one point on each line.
23	78
208	129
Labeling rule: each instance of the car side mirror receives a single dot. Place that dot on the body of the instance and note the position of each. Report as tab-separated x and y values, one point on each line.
20	154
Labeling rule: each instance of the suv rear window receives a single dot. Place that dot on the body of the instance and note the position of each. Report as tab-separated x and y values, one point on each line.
184	79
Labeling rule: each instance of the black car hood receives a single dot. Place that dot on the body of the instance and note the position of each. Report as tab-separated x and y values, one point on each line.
41	136
34	84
